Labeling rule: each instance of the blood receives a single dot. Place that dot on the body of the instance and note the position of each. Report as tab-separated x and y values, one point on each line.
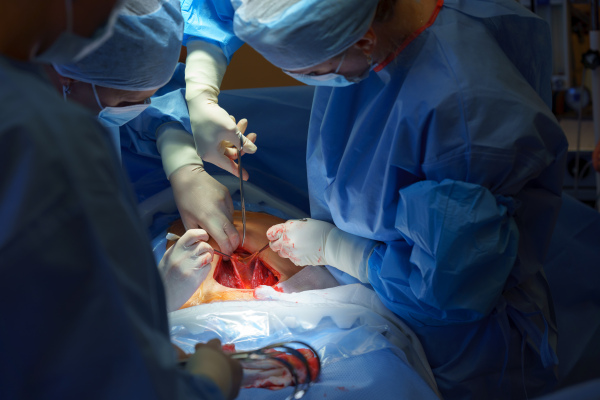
244	275
233	280
228	348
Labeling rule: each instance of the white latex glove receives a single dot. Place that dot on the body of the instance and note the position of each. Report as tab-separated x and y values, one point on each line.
176	147
210	361
312	242
184	267
201	200
212	127
204	202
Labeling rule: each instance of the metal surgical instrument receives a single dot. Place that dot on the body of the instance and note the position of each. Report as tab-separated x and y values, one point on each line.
242	185
253	255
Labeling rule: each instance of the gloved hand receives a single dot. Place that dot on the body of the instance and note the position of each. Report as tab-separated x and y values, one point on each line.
312	242
212	127
184	267
204	202
201	200
177	148
210	360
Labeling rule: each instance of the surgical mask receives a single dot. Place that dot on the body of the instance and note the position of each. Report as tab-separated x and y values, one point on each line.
70	47
119	116
332	79
114	117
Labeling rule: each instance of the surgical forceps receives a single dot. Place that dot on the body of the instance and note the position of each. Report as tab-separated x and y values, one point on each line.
253	255
242	185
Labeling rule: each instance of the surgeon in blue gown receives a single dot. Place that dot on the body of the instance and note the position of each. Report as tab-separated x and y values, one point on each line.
117	80
82	303
434	166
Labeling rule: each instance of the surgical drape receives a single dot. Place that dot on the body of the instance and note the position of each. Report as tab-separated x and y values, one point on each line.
450	155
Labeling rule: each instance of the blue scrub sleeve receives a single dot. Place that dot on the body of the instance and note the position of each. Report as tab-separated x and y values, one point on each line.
168	106
460	246
211	21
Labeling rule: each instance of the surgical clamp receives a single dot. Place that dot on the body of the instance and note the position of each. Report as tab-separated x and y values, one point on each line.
242	185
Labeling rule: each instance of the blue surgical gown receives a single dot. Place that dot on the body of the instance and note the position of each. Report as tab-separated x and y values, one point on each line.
450	157
82	305
211	21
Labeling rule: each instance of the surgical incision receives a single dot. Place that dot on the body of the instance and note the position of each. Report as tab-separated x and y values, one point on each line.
250	274
236	279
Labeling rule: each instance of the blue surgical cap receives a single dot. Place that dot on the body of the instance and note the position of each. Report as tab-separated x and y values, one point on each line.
297	34
141	54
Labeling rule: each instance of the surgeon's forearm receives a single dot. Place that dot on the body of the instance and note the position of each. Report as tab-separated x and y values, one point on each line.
205	68
349	253
176	147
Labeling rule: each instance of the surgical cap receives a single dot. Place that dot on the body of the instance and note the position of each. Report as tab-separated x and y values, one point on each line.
141	54
297	34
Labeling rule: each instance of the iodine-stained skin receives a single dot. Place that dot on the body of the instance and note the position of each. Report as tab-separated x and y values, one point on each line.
236	280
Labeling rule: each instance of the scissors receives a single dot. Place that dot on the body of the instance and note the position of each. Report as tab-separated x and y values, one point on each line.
242	185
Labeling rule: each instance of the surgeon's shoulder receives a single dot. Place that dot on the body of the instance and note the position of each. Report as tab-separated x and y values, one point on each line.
478	34
38	113
478	51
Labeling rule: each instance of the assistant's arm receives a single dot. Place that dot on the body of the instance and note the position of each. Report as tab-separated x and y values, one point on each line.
460	243
210	44
202	200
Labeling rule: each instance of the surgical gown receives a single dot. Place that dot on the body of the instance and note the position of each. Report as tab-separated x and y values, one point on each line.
81	301
449	155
